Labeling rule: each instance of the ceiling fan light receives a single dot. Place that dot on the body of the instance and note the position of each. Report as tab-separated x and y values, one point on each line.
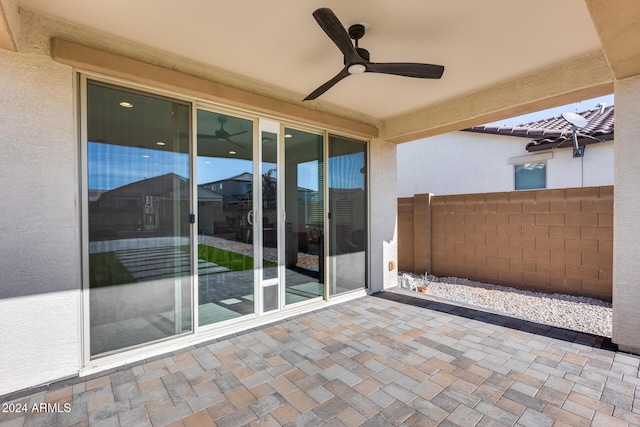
357	69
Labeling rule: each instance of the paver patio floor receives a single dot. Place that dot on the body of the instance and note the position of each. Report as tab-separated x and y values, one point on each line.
391	359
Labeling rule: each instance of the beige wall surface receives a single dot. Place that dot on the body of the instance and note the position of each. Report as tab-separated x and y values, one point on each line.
40	245
383	227
543	240
626	264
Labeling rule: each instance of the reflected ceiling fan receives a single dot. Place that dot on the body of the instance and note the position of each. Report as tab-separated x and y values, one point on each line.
222	134
356	59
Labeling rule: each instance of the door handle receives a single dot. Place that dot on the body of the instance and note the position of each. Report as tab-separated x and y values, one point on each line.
250	217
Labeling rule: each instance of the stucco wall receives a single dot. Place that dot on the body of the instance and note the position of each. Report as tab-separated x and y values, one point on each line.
39	249
383	214
465	162
626	265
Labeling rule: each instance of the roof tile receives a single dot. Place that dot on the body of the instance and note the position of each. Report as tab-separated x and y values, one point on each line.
555	132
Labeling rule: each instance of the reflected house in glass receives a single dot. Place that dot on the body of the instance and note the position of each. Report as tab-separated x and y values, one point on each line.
233	189
225	214
146	206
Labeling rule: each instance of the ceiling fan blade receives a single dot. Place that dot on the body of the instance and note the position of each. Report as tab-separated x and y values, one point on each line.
328	85
237	133
331	25
205	136
237	144
407	69
217	138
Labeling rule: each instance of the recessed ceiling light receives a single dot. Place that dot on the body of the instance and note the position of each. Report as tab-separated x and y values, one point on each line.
160	143
288	135
126	104
232	152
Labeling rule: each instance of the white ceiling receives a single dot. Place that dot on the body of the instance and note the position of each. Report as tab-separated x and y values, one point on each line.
279	43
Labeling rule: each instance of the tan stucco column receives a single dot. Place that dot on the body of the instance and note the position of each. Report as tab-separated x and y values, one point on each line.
626	231
383	201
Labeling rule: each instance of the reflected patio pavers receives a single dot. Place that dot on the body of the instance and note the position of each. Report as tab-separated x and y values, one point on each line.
388	359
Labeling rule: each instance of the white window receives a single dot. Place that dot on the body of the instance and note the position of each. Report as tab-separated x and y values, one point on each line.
530	176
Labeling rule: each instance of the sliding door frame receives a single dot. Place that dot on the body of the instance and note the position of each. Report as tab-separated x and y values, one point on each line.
207	332
82	79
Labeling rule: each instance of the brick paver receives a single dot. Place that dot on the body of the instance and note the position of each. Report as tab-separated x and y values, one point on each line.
388	359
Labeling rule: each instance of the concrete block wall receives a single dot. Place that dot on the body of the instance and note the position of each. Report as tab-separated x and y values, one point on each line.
422	241
405	234
558	240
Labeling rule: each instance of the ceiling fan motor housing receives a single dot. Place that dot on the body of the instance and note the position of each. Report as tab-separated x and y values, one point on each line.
356	31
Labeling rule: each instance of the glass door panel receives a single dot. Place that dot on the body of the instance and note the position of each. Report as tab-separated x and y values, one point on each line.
348	215
139	245
225	217
269	217
269	212
304	205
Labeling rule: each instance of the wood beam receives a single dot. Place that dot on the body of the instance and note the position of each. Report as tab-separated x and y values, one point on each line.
99	61
581	78
618	26
7	41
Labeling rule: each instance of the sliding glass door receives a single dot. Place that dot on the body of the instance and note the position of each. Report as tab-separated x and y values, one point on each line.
138	222
225	217
237	212
304	204
268	216
347	215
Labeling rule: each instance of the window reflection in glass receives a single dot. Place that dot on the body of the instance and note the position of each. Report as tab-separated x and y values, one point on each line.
304	204
138	217
225	217
531	176
269	206
348	209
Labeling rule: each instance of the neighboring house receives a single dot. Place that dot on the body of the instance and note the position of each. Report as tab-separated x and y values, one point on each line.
494	158
233	189
147	205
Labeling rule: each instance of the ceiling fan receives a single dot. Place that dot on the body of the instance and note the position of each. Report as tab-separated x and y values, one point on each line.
356	59
222	134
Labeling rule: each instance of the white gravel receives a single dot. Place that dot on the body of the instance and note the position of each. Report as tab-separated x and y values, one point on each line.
567	311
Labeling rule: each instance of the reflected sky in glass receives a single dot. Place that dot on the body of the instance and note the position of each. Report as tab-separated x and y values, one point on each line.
112	166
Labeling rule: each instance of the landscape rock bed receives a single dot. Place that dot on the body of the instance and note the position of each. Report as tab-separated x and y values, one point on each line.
577	313
304	260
